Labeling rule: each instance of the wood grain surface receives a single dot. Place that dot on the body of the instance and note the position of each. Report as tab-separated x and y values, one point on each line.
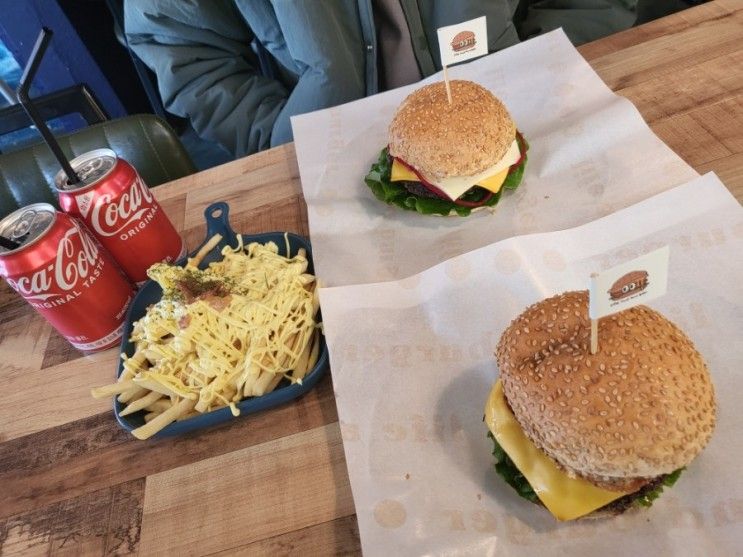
73	483
683	73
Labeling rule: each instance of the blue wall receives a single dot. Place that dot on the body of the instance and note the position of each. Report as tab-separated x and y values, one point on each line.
66	62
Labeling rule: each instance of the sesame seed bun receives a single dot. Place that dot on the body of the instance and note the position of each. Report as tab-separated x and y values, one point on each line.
643	406
443	140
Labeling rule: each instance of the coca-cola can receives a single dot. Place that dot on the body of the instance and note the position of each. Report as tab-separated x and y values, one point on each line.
65	274
120	210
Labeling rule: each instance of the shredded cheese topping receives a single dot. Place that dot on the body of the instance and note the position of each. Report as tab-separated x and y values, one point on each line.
230	331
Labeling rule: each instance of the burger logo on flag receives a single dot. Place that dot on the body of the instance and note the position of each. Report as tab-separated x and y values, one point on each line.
465	40
628	285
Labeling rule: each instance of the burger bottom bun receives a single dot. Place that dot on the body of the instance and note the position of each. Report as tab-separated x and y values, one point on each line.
453	213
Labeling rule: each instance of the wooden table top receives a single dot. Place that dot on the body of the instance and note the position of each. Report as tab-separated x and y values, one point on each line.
73	483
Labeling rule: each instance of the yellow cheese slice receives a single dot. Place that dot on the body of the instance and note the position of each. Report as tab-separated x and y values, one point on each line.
494	183
400	173
565	497
491	178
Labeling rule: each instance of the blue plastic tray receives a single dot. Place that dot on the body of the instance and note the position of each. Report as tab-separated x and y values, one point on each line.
217	222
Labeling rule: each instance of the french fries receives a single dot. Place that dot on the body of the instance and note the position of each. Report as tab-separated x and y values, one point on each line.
218	335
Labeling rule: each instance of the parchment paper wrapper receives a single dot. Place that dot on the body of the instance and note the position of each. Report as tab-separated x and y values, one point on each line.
412	367
591	154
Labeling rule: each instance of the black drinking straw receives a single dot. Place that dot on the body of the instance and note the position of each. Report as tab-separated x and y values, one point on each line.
28	76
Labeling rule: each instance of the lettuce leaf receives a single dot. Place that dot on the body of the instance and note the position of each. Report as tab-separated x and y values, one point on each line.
646	500
513	476
394	193
505	467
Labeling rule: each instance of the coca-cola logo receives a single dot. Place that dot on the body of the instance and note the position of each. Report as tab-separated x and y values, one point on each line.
108	217
77	256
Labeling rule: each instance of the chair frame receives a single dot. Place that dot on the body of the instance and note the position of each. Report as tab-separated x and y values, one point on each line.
78	99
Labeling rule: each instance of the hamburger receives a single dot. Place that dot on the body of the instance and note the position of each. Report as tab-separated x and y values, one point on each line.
594	435
449	159
628	285
464	40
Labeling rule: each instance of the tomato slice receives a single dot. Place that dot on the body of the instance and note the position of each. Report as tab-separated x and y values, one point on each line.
522	151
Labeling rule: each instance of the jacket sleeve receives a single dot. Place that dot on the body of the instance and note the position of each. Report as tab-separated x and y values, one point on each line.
321	44
582	20
206	70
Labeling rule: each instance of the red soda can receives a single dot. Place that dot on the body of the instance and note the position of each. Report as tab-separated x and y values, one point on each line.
119	209
63	272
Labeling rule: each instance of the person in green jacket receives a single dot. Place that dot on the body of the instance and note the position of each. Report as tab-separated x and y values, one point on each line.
239	69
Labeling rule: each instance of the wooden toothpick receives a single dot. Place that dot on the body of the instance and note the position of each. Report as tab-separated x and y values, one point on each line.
594	322
594	336
448	87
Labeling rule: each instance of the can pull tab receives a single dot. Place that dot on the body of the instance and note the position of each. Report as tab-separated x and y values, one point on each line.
217	217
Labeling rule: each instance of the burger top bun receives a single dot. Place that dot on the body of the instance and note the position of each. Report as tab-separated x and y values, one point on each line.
443	140
642	406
